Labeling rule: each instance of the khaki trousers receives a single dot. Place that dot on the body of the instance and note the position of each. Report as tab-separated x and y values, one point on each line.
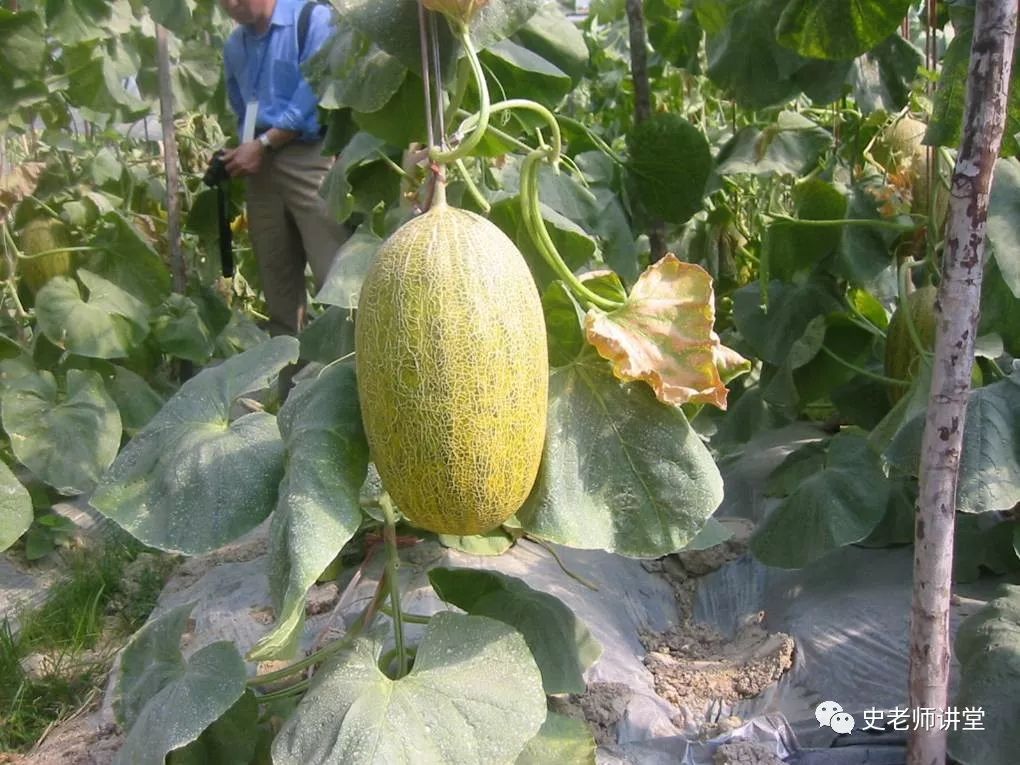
291	228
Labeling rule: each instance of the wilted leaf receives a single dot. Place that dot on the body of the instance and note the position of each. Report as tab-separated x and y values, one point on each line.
17	184
663	335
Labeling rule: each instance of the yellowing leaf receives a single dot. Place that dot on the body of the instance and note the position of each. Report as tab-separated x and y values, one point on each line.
663	335
17	184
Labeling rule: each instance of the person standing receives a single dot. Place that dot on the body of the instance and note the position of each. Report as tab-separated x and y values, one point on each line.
281	150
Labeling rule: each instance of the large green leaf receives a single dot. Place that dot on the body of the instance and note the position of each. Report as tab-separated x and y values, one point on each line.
82	21
562	740
180	331
98	86
393	25
128	260
989	477
336	188
1004	221
865	256
15	508
772	328
137	401
839	29
837	501
318	511
231	740
521	73
669	166
166	703
192	481
175	15
107	324
882	78
561	644
68	439
355	72
745	59
1000	309
556	38
329	337
345	277
23	41
474	695
794	247
988	648
946	123
621	472
792	145
572	242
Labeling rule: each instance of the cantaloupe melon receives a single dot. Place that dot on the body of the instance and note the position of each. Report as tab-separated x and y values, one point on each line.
453	373
49	236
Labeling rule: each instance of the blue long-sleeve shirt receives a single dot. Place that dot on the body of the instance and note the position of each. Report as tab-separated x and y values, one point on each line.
267	68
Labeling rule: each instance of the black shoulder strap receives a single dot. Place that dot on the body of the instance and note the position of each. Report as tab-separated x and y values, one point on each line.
304	20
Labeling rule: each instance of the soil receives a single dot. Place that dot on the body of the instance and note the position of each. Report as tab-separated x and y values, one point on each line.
701	671
601	706
745	753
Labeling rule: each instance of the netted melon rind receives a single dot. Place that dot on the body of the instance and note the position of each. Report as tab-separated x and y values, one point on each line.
453	372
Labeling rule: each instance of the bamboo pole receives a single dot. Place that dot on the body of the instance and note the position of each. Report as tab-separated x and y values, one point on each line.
170	161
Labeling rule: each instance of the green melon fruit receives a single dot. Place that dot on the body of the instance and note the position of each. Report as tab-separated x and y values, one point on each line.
453	371
44	235
901	355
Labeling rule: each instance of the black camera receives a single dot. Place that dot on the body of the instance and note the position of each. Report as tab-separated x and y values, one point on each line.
216	173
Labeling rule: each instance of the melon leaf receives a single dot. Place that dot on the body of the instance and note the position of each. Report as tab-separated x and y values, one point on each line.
318	510
620	471
67	439
159	487
838	29
107	324
561	739
988	647
165	702
15	508
842	499
560	642
663	335
474	695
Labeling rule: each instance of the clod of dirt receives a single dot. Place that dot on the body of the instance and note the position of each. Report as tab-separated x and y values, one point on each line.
694	667
744	753
602	706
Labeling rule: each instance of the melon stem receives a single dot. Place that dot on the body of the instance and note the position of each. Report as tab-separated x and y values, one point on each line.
915	336
465	147
540	235
392	569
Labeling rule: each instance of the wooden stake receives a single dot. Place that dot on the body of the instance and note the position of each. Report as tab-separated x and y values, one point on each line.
957	308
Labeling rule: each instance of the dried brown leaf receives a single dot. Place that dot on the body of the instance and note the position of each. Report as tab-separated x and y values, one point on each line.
663	335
